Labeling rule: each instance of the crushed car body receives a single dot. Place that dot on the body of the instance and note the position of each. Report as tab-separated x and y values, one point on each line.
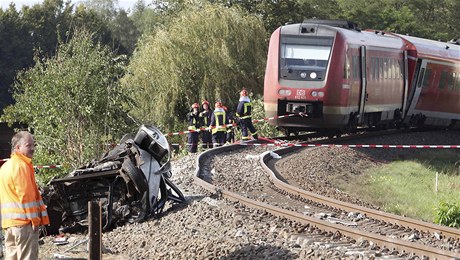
131	181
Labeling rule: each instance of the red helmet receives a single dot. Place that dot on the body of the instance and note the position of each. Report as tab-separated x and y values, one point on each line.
205	102
218	104
195	105
244	93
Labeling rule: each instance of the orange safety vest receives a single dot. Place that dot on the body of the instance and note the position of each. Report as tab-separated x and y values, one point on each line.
20	200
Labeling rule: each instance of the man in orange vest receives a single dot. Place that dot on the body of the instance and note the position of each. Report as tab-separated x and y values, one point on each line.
22	207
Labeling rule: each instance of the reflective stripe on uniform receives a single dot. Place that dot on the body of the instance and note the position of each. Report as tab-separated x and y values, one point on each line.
6	216
22	205
220	126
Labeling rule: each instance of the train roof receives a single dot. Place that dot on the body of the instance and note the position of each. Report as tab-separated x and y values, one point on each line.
351	34
425	48
433	49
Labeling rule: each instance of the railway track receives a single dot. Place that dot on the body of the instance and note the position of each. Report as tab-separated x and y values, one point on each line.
376	234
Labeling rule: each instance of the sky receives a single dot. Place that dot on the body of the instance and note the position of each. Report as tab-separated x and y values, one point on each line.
124	4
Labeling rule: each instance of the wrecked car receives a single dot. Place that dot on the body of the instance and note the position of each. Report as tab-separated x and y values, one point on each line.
131	181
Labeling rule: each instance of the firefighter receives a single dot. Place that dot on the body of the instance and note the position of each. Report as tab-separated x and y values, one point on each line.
194	124
218	121
243	112
205	116
230	129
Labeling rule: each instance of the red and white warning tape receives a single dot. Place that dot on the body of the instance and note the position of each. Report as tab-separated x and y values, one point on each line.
228	125
404	146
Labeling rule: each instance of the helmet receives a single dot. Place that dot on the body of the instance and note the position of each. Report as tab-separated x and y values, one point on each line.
205	102
244	93
218	104
225	108
195	105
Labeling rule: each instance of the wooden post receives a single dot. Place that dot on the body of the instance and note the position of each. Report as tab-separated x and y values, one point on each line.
94	230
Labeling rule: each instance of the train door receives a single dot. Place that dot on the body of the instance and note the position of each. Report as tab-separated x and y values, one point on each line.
363	79
417	87
406	83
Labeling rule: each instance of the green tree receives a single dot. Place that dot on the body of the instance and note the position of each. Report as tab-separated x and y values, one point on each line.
207	52
72	102
16	50
431	19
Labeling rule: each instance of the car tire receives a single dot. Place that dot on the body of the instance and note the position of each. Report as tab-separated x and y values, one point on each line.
136	176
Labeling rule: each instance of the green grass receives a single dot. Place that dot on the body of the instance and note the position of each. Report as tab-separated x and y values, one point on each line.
408	187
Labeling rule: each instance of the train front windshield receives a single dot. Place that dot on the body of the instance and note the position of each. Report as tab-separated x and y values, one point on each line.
304	58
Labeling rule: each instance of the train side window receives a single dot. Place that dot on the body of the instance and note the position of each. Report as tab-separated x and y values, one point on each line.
397	69
391	73
401	69
450	81
385	66
442	81
346	68
381	68
374	67
426	79
355	65
458	82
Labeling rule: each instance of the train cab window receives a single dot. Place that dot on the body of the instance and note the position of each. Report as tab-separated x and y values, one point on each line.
304	58
442	81
426	78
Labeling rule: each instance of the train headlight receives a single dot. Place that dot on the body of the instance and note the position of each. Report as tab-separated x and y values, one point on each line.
284	92
313	75
314	93
320	94
303	75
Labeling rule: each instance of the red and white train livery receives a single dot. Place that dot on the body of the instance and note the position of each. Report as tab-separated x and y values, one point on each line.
342	78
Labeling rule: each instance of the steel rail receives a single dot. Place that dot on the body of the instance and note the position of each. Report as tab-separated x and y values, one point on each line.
345	206
382	241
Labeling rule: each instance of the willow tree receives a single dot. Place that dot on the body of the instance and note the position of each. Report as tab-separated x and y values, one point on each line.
72	102
206	52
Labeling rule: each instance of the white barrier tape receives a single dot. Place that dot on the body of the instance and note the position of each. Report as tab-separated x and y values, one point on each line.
228	125
409	146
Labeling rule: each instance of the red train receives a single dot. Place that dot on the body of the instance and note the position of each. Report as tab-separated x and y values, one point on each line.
341	78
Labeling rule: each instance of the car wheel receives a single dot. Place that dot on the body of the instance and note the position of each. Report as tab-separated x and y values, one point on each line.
135	174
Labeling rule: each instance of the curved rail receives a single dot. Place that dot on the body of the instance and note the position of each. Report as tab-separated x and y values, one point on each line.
380	215
383	241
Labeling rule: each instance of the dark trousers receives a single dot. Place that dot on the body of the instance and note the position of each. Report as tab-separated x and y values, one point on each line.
246	124
206	139
230	136
192	142
218	138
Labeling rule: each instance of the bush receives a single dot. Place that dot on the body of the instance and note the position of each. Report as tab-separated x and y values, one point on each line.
448	214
